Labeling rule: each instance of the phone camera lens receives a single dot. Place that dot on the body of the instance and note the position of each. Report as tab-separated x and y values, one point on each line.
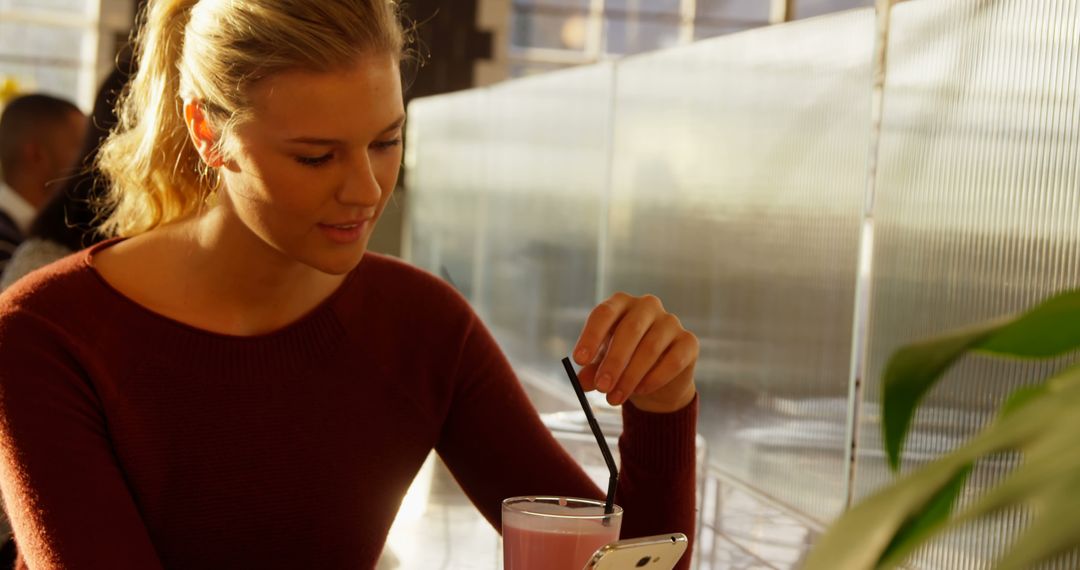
644	561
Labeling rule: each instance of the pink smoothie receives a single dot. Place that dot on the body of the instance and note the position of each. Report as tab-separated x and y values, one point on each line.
555	543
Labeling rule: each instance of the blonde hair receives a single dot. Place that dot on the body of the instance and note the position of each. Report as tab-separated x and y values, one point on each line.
212	51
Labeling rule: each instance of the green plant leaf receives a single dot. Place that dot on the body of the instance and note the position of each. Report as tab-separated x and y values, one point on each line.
1032	483
1048	485
936	516
1042	421
857	540
1048	479
1050	329
924	524
1055	529
1049	421
911	372
1020	398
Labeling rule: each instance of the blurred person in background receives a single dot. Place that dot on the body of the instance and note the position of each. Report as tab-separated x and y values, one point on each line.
68	222
235	381
40	138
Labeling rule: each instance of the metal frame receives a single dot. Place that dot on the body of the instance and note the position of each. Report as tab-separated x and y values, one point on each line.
781	11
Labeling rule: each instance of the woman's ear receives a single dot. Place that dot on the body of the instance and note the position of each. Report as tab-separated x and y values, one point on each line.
202	135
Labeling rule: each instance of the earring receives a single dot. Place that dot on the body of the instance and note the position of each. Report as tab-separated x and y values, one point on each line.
213	196
212	199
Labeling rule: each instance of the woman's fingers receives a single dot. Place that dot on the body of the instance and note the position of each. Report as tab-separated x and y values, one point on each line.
598	327
681	355
625	340
645	357
631	347
587	377
587	374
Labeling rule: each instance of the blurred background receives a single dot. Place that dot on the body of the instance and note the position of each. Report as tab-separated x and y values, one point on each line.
66	48
809	184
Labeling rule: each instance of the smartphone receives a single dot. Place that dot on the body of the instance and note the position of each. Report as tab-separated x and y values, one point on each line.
659	552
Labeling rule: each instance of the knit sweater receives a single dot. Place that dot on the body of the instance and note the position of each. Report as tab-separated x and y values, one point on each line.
131	440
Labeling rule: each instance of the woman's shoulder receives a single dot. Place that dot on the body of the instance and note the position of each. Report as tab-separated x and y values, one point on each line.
53	297
391	275
402	291
66	278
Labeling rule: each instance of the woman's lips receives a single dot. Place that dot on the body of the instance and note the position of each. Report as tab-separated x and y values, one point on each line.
345	233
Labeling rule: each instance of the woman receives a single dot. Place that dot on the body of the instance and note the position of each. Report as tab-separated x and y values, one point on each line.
233	382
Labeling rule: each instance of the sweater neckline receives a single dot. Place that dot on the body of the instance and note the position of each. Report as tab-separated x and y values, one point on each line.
319	317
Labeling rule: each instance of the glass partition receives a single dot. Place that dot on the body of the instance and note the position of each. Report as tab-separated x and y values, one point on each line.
447	135
509	204
737	197
977	215
743	180
546	197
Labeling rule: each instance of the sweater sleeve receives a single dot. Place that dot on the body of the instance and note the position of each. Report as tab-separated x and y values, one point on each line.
497	447
62	487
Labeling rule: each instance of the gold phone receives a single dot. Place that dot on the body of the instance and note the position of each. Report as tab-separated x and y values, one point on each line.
660	552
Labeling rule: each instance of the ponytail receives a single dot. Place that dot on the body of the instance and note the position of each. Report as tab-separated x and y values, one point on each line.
155	173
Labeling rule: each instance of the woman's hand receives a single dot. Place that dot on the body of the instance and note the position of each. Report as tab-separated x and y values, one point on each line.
631	348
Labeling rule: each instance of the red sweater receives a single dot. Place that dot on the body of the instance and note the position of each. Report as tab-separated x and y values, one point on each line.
130	440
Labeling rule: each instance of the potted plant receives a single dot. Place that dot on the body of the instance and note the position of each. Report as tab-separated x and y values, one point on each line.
1041	421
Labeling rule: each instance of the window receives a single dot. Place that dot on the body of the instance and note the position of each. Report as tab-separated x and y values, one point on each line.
811	8
60	47
549	34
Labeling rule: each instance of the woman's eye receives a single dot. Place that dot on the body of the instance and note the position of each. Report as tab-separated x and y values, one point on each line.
315	160
384	145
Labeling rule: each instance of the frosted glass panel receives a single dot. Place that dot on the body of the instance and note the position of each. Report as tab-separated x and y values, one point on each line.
447	136
548	166
731	177
977	213
507	198
737	196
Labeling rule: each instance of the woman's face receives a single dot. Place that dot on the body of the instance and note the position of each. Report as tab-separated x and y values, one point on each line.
312	171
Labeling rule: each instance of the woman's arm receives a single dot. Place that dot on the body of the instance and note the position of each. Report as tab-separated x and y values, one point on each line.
496	446
62	487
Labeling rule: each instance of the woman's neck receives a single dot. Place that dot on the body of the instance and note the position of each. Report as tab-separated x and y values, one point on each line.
211	272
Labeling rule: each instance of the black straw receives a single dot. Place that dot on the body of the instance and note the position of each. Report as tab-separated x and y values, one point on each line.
613	482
